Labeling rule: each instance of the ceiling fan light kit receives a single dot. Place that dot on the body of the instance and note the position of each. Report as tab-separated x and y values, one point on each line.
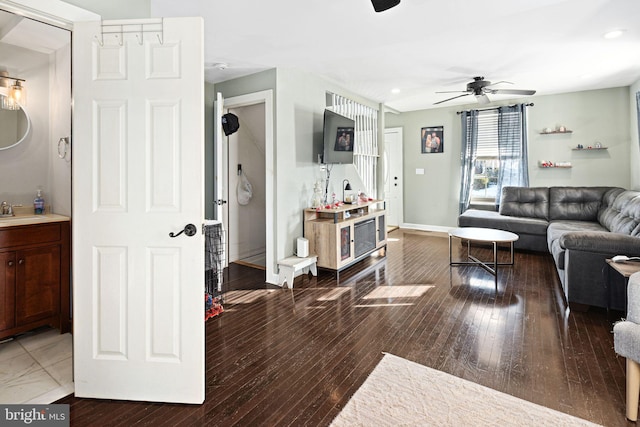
382	5
480	87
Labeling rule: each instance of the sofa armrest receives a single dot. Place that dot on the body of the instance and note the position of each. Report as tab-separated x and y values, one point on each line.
601	242
633	300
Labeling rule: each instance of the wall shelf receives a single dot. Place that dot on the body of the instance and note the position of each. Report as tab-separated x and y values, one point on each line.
556	132
546	164
590	149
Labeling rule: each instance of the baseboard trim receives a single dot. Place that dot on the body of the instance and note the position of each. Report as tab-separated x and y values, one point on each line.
423	227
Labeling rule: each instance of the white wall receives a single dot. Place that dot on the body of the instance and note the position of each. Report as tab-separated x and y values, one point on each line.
601	115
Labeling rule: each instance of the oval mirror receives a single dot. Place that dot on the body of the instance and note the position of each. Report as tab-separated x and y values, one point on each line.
15	125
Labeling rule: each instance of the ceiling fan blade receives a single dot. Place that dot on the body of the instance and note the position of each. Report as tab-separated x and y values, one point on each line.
445	100
501	81
512	91
453	91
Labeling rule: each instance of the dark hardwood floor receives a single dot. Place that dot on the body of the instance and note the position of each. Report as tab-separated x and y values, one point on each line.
295	357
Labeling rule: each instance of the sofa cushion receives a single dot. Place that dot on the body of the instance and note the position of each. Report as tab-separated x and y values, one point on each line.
575	203
558	228
530	202
492	219
622	215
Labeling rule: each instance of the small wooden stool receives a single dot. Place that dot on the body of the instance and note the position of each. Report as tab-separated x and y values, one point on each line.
288	267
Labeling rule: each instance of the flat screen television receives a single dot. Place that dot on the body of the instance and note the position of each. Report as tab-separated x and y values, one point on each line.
338	138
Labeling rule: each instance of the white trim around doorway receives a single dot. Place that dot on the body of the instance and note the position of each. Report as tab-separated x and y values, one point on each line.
266	97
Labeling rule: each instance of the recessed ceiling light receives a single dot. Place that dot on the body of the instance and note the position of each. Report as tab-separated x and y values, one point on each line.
395	90
614	34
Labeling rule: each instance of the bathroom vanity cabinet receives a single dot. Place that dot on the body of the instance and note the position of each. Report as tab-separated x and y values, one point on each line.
345	235
34	275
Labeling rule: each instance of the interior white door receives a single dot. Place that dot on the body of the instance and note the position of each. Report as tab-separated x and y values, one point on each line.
138	174
393	182
221	173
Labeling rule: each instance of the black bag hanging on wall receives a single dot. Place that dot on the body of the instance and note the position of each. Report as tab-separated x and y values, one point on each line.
230	123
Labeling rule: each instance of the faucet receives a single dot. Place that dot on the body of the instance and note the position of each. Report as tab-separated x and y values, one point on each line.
6	209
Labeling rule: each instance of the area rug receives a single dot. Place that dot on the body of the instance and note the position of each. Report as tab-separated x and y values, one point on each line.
403	393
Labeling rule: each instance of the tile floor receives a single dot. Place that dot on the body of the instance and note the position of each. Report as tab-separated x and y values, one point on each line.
36	367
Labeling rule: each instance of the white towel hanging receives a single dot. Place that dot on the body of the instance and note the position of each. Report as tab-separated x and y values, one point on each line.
244	190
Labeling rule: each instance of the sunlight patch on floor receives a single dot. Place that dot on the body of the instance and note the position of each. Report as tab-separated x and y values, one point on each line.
398	292
399	304
334	294
246	297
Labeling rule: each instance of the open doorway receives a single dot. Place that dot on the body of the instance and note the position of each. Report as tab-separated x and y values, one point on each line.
247	191
226	178
36	357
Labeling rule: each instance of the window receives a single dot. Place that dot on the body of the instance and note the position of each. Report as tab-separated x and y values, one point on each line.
486	167
494	153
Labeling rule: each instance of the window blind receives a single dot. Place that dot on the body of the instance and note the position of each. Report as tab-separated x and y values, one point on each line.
487	147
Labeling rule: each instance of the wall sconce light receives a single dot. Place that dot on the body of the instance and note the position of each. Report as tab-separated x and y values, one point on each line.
17	92
345	188
12	96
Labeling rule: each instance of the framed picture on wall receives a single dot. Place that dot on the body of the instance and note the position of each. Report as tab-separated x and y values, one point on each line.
344	139
432	139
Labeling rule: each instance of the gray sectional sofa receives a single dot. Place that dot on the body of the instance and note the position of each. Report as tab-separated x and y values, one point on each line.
579	226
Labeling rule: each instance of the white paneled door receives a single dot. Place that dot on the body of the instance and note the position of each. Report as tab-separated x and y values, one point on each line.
138	175
393	176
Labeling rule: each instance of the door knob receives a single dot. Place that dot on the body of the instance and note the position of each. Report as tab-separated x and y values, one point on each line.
188	229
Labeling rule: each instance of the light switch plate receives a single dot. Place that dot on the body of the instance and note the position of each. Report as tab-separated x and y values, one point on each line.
419	171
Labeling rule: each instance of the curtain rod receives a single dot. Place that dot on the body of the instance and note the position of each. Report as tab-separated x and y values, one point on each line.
495	108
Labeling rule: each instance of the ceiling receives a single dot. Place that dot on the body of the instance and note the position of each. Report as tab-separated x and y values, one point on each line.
32	36
420	47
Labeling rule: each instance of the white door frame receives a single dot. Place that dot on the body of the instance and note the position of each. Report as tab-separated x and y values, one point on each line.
387	166
266	97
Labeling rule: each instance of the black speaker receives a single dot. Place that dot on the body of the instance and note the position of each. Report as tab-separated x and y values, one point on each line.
382	5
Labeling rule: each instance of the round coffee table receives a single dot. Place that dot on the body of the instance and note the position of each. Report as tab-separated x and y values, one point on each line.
483	235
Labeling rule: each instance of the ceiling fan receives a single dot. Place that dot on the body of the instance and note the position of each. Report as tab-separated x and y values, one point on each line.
481	87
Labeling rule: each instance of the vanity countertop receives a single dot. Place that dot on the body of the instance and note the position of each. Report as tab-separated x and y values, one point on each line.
31	219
